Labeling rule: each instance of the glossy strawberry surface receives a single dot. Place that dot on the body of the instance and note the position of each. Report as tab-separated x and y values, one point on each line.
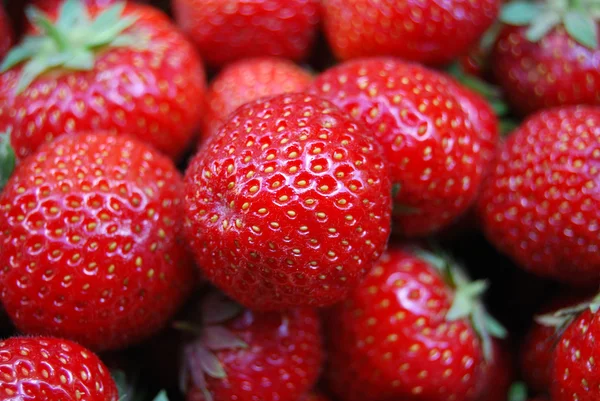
390	339
554	71
249	80
426	31
154	92
229	30
288	204
540	205
280	363
575	375
436	136
44	368
90	234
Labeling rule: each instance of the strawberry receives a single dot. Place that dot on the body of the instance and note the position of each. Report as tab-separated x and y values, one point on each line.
539	206
6	34
288	204
315	397
538	346
127	71
499	375
40	368
575	376
245	356
427	31
229	30
437	135
90	239
249	80
546	54
415	329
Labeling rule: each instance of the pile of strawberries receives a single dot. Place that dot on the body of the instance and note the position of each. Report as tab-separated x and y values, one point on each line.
292	230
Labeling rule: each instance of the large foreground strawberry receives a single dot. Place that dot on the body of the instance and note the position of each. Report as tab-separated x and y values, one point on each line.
429	31
415	329
90	238
438	137
128	70
44	368
245	356
249	80
230	30
540	204
547	54
288	204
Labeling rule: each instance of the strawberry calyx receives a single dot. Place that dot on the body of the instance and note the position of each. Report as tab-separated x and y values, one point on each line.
467	302
578	17
562	318
7	158
210	336
517	392
71	43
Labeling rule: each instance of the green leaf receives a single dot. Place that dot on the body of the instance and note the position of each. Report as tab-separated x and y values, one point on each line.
40	20
162	396
69	14
517	392
210	363
107	18
82	60
36	67
8	159
494	327
106	35
582	28
219	338
478	319
519	13
217	308
542	25
17	55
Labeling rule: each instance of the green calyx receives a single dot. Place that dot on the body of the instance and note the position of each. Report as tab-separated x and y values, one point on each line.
578	17
562	318
72	42
7	158
467	303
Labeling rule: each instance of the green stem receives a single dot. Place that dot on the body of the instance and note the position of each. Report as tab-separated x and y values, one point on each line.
41	20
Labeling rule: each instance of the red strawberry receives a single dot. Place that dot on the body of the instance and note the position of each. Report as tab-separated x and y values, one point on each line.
39	368
428	31
437	136
499	376
89	236
538	347
414	329
249	80
6	34
288	204
142	78
540	205
547	54
230	30
575	376
246	356
315	397
53	5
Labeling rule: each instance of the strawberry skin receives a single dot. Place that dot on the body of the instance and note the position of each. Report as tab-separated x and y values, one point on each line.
429	31
39	368
288	204
315	397
230	30
249	80
553	71
390	340
90	235
540	205
154	92
500	373
436	140
575	374
281	361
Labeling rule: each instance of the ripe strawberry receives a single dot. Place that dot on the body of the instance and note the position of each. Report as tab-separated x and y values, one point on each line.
546	54
428	31
575	376
499	375
90	239
245	356
40	368
288	204
6	34
129	71
249	80
539	206
230	30
415	329
315	397
437	135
